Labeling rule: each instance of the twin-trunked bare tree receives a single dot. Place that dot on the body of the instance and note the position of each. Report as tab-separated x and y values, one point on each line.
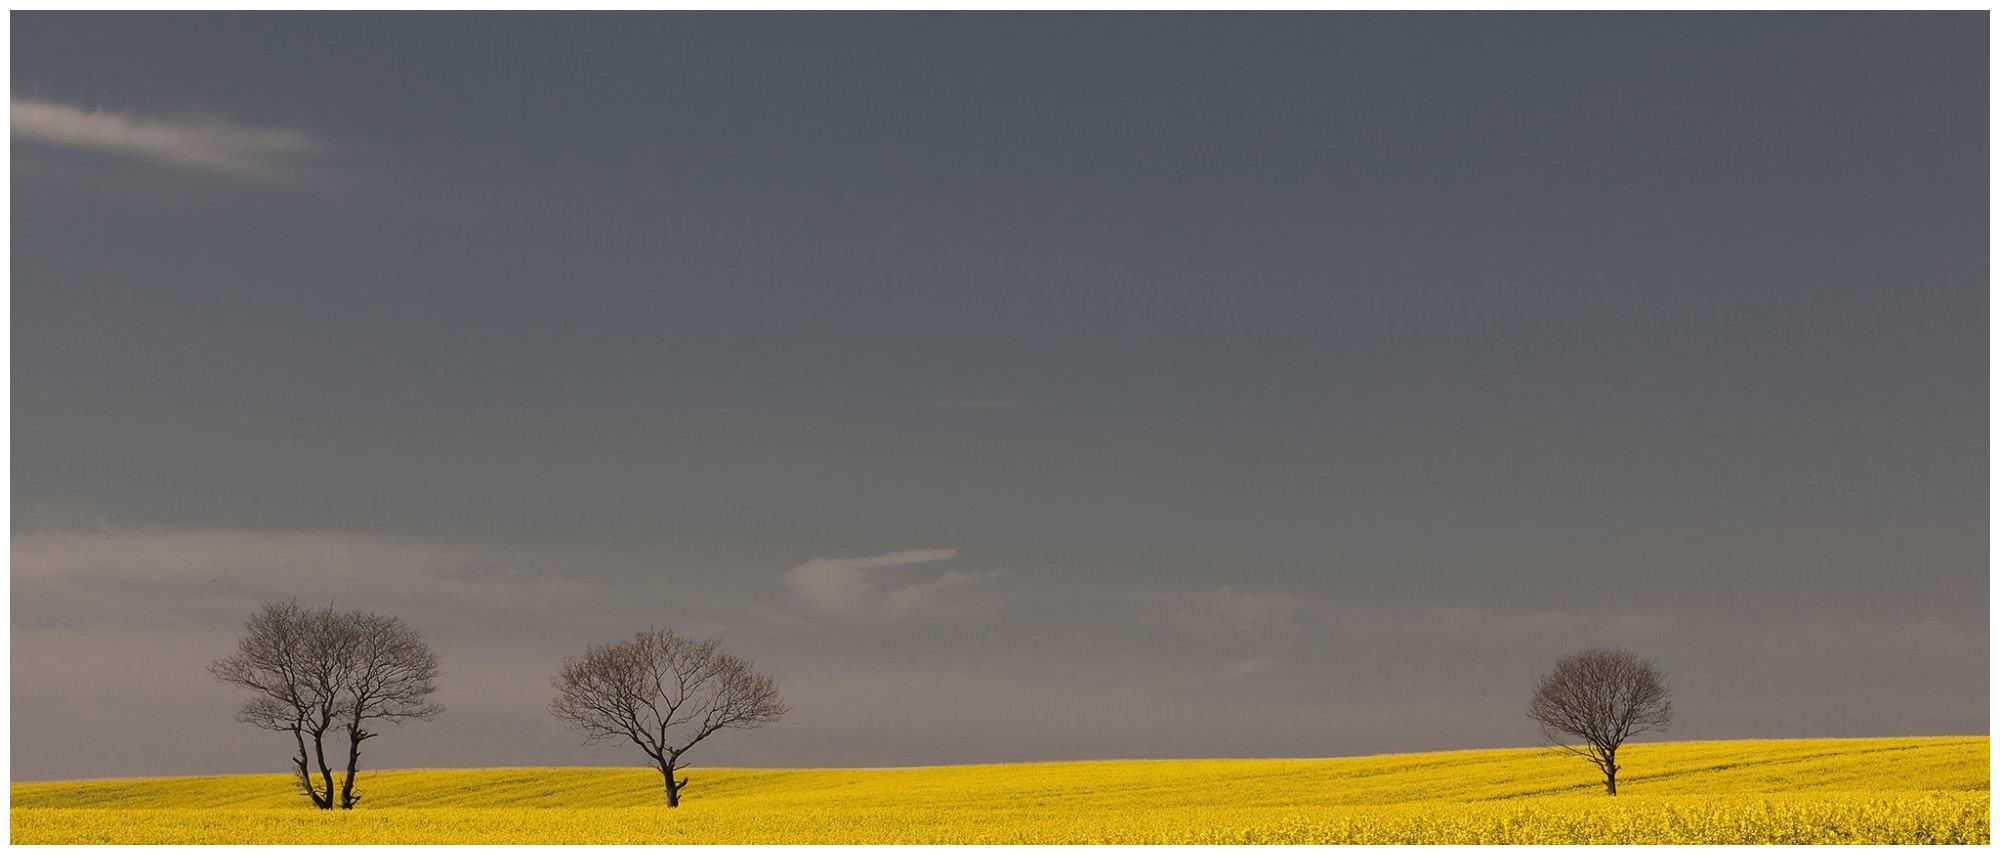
311	672
316	673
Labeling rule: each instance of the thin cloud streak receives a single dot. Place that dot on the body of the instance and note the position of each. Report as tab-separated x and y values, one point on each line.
246	152
852	589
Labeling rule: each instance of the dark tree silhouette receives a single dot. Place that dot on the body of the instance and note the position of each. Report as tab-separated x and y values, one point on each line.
391	674
312	671
284	660
1595	700
665	693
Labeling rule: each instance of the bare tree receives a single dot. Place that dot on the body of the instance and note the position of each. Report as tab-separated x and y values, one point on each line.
1595	700
311	671
284	659
665	693
391	674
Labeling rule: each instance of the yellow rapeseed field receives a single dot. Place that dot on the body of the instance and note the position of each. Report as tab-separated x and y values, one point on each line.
1908	790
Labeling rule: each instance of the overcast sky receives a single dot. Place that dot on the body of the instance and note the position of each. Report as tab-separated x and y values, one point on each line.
1008	387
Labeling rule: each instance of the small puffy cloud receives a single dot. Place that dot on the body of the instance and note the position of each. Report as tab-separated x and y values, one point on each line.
215	146
876	588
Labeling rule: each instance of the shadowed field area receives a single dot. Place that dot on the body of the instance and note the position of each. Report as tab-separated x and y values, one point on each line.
1903	790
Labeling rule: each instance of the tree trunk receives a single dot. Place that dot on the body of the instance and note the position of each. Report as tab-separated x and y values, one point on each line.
673	785
325	774
347	796
1610	778
305	772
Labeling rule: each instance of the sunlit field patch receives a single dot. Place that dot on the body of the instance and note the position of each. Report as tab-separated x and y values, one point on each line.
1917	790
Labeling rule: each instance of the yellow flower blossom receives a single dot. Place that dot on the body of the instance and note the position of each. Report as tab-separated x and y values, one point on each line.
1915	790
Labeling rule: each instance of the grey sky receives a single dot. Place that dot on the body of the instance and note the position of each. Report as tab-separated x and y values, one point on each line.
1010	387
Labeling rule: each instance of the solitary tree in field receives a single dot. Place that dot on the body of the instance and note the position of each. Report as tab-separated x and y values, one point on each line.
665	693
1595	700
314	672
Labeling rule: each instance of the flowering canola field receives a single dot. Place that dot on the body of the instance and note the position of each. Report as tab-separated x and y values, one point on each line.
1905	790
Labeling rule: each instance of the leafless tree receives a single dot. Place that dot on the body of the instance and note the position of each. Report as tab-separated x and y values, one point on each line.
313	671
1595	700
665	693
390	676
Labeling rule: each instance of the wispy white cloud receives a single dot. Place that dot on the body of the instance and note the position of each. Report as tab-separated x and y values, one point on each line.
858	589
216	146
112	627
1464	621
199	577
1225	611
